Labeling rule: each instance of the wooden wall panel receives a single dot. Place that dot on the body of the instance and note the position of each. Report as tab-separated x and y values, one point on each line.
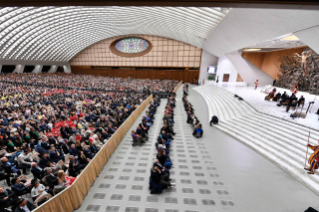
185	75
268	61
256	58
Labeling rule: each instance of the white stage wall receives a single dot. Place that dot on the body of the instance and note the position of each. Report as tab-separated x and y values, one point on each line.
207	60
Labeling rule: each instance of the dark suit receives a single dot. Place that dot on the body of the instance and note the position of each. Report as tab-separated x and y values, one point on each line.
51	180
37	172
29	205
54	157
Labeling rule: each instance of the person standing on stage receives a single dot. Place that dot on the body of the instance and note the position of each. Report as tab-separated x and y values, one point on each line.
256	84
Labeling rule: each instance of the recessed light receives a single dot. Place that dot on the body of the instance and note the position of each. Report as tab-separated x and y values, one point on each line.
291	37
251	50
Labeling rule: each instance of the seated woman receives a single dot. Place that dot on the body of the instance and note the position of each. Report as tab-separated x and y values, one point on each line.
66	180
82	158
198	131
159	177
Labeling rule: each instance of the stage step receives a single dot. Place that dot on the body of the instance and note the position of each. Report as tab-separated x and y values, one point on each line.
281	141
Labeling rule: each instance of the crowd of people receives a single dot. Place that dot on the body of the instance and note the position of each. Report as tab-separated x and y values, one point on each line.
54	125
89	83
191	118
160	172
285	99
140	135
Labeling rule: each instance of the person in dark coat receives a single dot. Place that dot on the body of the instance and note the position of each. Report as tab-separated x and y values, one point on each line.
24	206
51	179
55	155
7	198
19	188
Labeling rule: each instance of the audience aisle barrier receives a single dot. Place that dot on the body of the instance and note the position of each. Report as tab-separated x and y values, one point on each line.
71	198
177	86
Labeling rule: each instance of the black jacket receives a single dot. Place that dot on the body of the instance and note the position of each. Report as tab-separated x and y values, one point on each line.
29	205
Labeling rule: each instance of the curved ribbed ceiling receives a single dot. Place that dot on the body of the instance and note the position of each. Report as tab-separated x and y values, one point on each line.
57	34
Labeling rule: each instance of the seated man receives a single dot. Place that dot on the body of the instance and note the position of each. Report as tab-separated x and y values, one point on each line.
301	100
44	161
24	159
55	155
37	171
51	179
11	166
75	167
73	150
19	188
24	206
4	175
7	199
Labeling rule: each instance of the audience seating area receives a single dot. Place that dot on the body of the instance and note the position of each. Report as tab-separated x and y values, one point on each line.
281	141
61	138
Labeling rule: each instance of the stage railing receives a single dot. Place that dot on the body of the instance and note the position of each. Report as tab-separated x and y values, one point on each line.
177	86
72	197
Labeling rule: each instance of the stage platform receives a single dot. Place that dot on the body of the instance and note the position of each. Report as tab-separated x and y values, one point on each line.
281	140
256	99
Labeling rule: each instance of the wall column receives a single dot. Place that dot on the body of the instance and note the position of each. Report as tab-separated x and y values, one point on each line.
67	69
207	60
0	68
19	69
53	69
37	69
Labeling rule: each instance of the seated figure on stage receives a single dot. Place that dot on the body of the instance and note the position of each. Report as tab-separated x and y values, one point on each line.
301	100
314	159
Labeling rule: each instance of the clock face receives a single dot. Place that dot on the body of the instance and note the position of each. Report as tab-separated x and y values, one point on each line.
132	45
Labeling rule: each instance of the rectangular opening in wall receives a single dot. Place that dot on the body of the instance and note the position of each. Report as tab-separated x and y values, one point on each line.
6	69
60	69
28	69
225	77
45	69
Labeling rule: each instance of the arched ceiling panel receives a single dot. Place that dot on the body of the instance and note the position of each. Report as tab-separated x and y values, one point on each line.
57	34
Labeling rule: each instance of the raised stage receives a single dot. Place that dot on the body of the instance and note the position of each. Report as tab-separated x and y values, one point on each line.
256	99
278	138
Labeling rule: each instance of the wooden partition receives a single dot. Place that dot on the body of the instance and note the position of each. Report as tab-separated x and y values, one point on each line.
177	86
181	75
72	197
268	61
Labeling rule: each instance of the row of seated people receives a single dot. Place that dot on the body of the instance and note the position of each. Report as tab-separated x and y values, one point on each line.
54	138
160	172
191	118
285	99
89	82
140	135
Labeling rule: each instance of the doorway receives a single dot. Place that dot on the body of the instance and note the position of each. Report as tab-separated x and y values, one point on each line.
225	77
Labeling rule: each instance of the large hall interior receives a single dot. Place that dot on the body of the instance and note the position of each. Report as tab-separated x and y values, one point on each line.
159	106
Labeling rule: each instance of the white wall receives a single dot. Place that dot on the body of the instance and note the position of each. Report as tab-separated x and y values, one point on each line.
248	72
207	60
245	27
225	66
310	37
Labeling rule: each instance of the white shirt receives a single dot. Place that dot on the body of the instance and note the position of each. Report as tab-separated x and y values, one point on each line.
25	208
35	191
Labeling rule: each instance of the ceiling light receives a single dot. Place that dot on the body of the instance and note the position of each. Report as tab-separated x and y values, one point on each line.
291	37
251	50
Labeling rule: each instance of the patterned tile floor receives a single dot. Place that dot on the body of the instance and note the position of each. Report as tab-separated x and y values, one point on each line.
122	186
